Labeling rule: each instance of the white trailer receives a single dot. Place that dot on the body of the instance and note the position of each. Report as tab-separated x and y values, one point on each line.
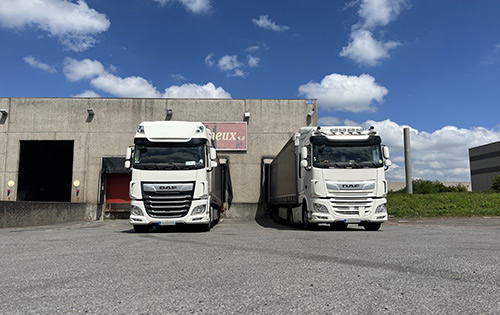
175	176
332	175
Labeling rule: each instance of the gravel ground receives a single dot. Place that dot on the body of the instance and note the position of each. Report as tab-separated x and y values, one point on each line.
437	266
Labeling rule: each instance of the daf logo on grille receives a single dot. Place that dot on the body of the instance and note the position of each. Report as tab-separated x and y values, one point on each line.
167	187
350	186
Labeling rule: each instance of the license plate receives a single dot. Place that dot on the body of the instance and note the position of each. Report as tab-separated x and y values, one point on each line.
351	220
167	223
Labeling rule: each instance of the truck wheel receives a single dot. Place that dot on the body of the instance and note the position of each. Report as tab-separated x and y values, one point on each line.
141	228
208	226
217	219
372	226
306	225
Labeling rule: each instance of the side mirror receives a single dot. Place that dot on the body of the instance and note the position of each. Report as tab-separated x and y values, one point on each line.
213	153
303	163
388	163
386	152
213	164
303	153
128	156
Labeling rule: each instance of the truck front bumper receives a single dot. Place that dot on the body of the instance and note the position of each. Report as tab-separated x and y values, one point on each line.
354	215
145	219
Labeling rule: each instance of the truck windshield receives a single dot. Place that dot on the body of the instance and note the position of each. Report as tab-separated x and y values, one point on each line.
347	156
171	156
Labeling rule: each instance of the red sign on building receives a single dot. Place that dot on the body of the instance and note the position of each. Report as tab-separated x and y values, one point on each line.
229	136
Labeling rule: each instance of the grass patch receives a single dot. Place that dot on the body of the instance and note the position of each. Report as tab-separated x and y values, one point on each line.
454	204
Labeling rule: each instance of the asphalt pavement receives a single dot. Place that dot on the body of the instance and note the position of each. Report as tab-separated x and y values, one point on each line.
439	266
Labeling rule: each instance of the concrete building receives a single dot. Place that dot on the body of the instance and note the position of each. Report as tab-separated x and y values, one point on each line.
484	164
62	149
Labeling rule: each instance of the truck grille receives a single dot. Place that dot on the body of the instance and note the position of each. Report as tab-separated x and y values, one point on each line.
351	206
172	203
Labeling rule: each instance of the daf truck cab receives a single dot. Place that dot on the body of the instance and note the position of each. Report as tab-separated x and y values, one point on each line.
175	176
333	175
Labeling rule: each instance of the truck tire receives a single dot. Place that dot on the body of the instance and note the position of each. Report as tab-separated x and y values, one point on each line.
141	228
372	226
217	215
207	227
305	221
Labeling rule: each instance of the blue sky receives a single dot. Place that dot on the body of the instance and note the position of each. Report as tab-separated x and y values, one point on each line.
431	65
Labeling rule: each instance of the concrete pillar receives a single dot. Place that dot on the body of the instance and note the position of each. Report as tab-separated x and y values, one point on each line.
406	139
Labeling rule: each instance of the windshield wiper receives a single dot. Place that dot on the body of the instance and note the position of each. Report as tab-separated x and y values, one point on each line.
371	163
149	166
327	165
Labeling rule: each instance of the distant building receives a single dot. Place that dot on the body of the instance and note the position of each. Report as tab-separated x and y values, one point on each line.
484	164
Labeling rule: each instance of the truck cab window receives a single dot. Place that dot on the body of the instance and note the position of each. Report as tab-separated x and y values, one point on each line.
189	155
343	156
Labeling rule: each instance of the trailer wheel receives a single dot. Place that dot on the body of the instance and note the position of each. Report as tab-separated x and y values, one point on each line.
372	226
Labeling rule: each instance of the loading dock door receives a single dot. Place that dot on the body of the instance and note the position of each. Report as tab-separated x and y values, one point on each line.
115	180
45	171
117	186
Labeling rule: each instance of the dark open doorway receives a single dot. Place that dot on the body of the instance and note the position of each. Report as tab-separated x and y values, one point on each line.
45	171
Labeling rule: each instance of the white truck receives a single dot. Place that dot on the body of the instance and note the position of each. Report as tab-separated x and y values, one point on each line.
175	176
332	175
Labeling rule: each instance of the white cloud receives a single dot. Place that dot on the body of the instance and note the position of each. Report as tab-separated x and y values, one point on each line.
87	93
194	6
178	77
32	61
253	61
380	12
124	87
231	65
266	23
364	49
254	48
439	155
237	73
190	90
74	24
132	86
209	60
85	69
342	92
334	121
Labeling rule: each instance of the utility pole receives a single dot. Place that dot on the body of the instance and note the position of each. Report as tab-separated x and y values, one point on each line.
406	139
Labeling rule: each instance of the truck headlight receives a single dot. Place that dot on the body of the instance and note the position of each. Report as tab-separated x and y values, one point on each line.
135	210
320	208
381	208
198	210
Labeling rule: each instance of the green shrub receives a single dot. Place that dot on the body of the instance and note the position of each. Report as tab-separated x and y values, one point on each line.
422	186
451	204
495	183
